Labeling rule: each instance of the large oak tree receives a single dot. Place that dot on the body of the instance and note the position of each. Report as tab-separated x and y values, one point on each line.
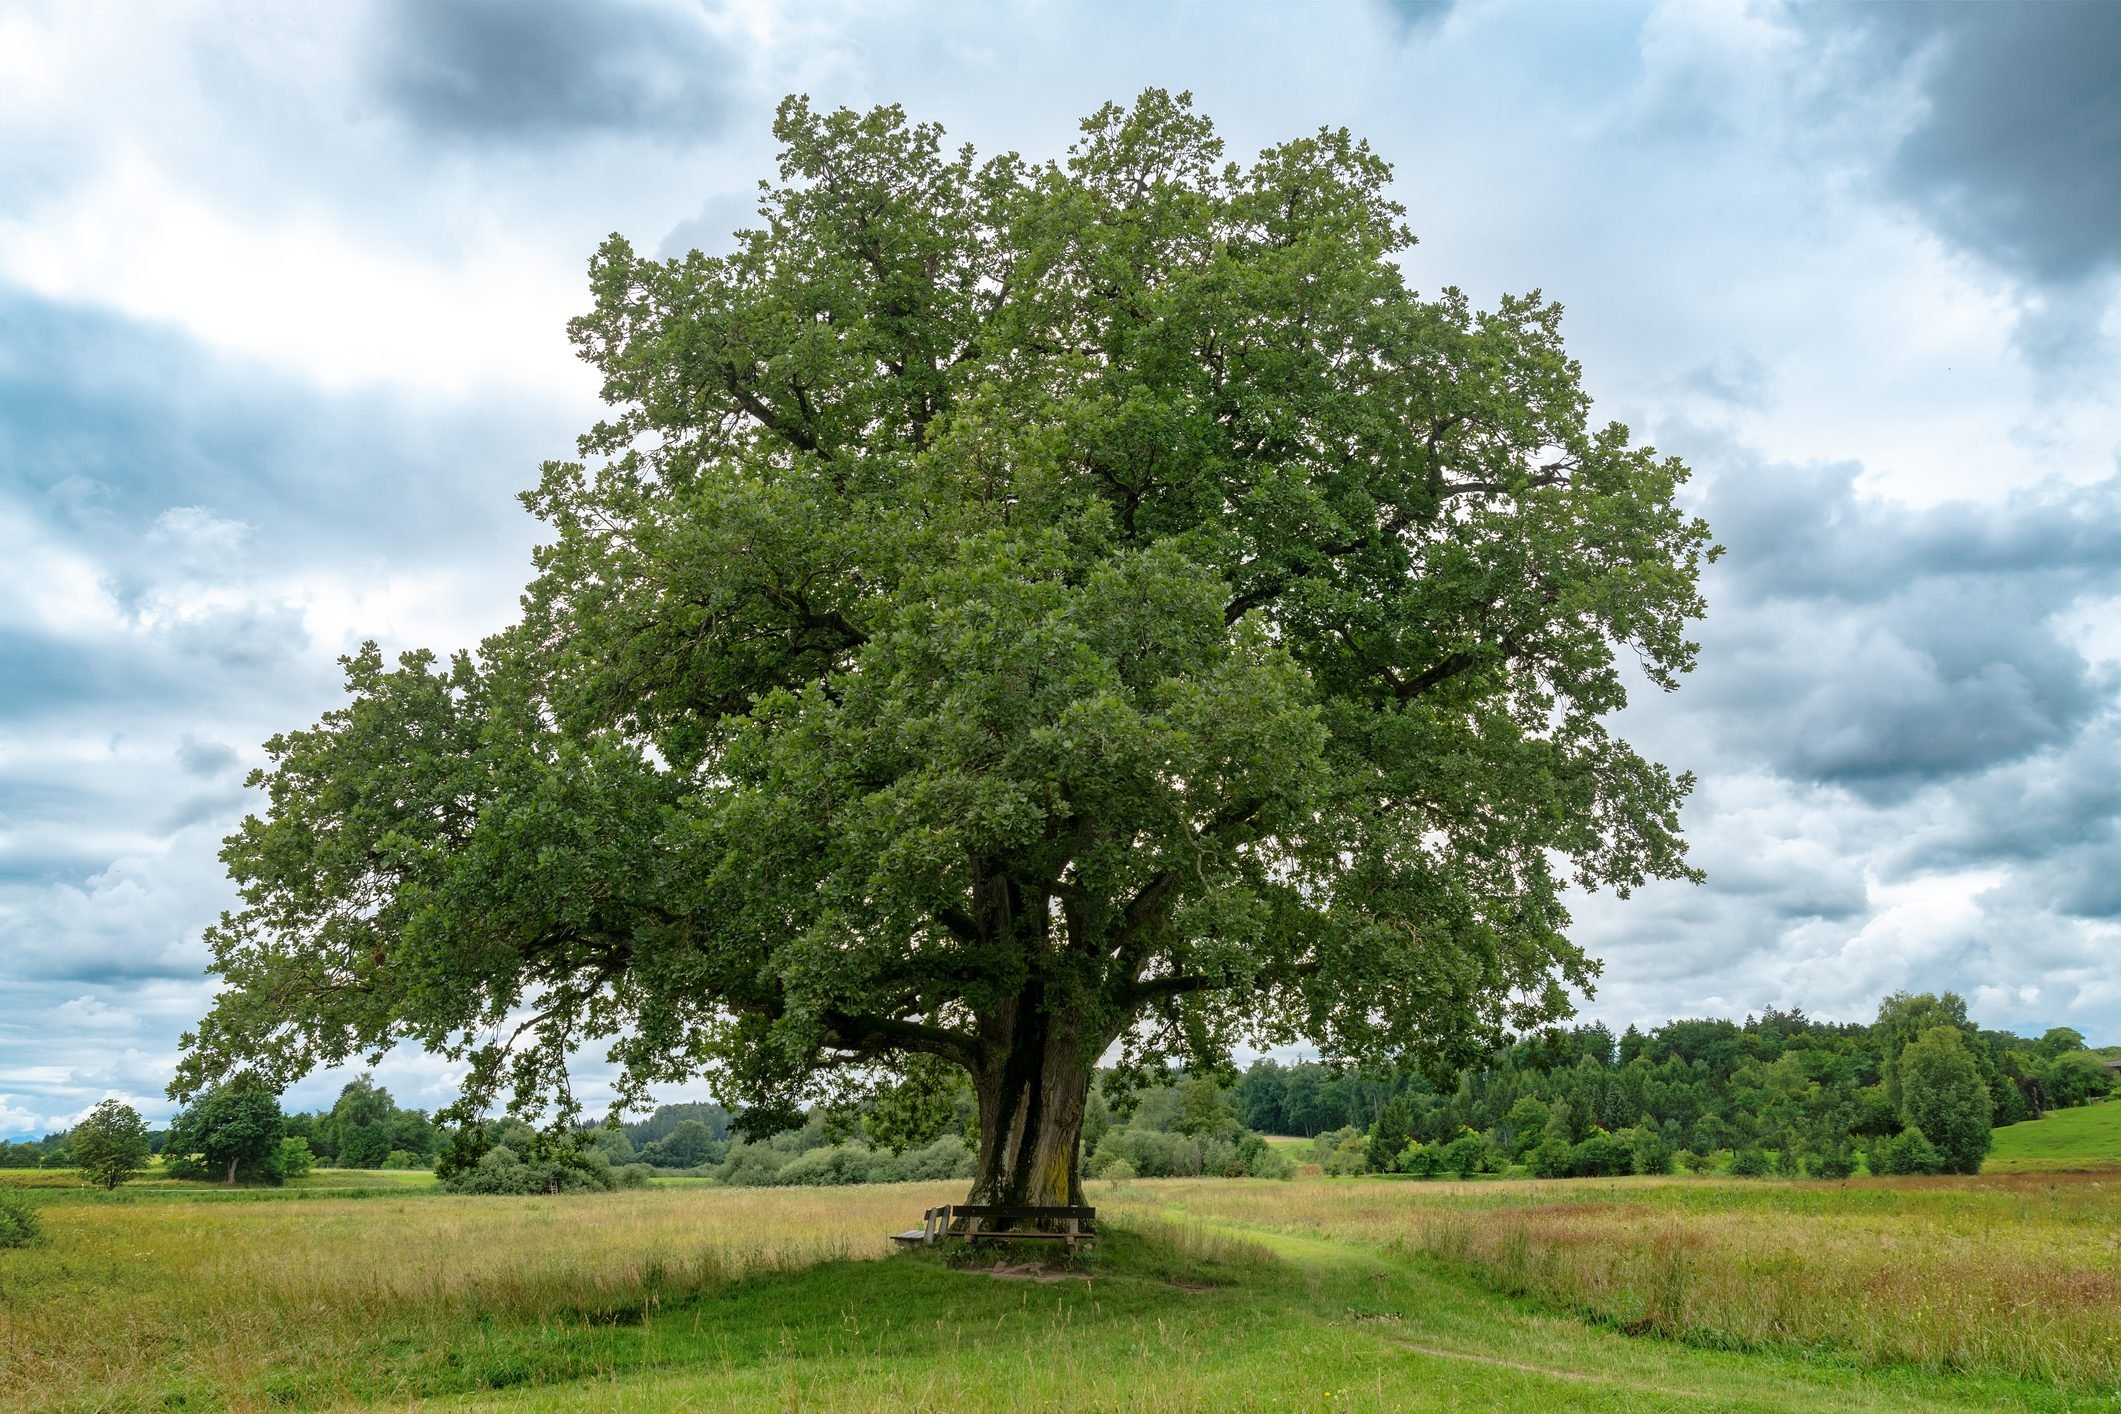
1011	610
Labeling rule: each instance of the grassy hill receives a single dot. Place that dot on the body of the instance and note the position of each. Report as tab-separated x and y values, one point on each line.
2082	1140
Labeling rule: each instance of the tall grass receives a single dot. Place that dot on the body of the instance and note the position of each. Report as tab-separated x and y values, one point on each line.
130	1303
2014	1275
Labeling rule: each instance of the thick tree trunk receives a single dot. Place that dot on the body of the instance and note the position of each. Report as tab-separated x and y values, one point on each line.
231	1171
1032	1093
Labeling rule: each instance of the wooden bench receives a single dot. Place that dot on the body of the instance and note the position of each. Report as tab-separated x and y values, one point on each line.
1074	1225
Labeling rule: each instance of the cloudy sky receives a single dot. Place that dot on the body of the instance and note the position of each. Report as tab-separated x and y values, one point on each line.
281	303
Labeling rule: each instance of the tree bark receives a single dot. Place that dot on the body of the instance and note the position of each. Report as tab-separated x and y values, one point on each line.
231	1171
1033	1086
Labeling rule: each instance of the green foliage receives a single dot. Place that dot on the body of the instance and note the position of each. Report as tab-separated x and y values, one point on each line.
1837	1160
1750	1162
1600	1155
1005	602
20	1225
1420	1160
294	1159
2059	1041
230	1133
501	1170
1465	1156
2075	1078
1943	1097
111	1145
1395	1125
1204	1111
1649	1150
1554	1158
1803	1092
668	1117
929	1098
687	1146
1522	1128
614	1143
362	1118
1909	1152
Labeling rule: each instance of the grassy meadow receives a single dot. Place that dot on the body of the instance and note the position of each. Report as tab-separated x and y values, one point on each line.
357	1289
2082	1140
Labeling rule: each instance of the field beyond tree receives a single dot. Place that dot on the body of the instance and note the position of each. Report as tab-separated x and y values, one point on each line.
1382	1292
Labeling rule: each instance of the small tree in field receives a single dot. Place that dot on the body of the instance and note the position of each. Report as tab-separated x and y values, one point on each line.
1389	1136
1943	1095
232	1131
1011	611
111	1145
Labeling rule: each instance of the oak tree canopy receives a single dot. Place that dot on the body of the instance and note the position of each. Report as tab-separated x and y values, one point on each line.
1011	610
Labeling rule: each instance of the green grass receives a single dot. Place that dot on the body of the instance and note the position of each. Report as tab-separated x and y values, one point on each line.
1207	1293
2082	1140
1280	1323
339	1183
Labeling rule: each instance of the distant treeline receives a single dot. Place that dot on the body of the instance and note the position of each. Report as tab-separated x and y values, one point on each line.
1915	1090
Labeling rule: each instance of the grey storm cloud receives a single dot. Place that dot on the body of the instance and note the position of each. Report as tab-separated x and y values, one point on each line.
1882	649
2018	157
2054	818
505	72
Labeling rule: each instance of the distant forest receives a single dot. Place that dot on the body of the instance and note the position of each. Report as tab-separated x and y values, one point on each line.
1917	1090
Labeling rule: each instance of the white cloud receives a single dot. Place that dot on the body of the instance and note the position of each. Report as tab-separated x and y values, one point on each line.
295	291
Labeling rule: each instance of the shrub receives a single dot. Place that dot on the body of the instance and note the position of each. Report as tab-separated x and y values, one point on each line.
1342	1151
1117	1171
1466	1155
1263	1160
399	1159
1650	1150
750	1165
1600	1155
836	1167
1553	1158
19	1224
947	1157
295	1158
1836	1160
1696	1163
1786	1164
1421	1160
502	1170
631	1175
1749	1162
1910	1153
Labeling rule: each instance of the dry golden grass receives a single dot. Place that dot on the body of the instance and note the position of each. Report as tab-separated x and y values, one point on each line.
2017	1275
128	1298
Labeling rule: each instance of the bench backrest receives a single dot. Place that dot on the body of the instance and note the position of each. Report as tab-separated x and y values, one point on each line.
1004	1213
